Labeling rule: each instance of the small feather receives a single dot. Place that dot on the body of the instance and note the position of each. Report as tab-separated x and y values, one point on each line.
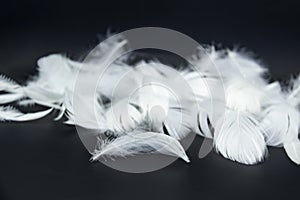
293	150
239	138
8	85
8	98
11	114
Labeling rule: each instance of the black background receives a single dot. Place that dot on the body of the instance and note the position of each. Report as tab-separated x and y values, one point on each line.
46	160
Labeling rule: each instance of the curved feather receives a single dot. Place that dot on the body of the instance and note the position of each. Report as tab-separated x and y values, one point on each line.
137	143
281	121
8	98
11	114
293	150
239	138
122	117
204	125
294	92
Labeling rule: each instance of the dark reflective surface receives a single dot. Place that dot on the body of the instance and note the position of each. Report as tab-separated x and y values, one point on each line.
46	159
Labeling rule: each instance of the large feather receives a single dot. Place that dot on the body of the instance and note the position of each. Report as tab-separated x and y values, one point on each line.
137	143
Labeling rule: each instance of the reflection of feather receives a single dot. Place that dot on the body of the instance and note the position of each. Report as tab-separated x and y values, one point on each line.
239	138
12	114
139	142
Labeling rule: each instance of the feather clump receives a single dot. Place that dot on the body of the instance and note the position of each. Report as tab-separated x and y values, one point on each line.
149	107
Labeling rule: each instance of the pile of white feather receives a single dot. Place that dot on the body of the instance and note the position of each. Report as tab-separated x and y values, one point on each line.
256	114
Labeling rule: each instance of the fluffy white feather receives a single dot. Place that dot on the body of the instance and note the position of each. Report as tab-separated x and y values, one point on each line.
54	77
242	95
227	63
281	121
239	138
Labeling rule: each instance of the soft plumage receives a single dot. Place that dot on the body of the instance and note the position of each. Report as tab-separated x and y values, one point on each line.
149	106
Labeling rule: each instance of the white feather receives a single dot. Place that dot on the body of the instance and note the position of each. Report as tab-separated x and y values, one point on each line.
293	150
202	86
8	98
242	95
239	138
204	120
294	92
204	61
122	117
235	64
55	76
8	85
13	90
107	51
11	114
227	63
281	121
137	143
